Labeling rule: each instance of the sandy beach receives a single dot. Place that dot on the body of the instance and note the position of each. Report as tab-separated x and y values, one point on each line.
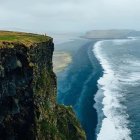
61	60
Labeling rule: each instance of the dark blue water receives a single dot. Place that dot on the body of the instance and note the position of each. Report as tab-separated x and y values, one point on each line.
107	72
77	86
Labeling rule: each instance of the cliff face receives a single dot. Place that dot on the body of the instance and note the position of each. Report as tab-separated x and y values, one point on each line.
28	109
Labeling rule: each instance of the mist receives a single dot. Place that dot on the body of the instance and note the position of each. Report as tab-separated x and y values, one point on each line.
69	15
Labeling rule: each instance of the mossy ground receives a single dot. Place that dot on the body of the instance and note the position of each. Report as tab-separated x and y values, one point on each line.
24	38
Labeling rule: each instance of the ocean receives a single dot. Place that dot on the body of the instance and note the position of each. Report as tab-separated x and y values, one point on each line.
118	96
77	84
102	84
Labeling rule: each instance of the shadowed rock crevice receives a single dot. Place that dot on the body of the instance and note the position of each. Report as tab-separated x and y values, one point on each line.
16	101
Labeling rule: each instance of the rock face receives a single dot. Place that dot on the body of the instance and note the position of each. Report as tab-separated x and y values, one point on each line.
28	109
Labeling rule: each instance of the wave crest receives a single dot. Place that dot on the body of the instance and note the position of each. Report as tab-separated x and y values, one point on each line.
114	125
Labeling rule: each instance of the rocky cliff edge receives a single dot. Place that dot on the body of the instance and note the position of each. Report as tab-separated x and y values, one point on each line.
28	108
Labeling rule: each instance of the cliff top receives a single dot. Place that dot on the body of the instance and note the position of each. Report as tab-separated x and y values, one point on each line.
21	37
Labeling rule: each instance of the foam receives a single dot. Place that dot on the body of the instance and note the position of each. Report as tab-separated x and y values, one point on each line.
133	38
130	72
115	124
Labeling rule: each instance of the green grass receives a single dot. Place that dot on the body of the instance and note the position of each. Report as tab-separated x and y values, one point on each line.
25	38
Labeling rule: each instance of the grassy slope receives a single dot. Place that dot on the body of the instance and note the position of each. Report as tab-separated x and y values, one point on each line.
25	38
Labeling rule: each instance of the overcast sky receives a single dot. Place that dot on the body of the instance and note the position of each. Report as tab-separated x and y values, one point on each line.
69	15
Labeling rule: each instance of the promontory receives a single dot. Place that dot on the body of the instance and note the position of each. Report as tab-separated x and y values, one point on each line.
28	108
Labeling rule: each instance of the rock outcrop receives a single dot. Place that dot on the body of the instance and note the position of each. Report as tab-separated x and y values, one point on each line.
28	108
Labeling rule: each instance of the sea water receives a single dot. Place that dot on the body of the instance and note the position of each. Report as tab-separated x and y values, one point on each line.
118	96
77	84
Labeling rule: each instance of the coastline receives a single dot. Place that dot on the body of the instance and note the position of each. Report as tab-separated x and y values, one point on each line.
109	105
77	86
81	94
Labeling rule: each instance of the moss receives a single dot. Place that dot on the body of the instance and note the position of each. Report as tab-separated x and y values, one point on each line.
68	124
47	127
25	38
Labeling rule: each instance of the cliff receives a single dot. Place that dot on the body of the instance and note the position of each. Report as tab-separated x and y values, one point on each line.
28	108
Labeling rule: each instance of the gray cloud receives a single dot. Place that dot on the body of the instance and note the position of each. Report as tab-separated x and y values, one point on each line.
69	15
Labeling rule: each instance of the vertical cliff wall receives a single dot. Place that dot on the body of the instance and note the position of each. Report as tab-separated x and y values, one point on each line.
28	109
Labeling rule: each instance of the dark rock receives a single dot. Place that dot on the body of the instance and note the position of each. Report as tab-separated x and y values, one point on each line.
28	109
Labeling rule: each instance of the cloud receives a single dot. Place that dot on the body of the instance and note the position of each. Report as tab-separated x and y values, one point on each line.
69	15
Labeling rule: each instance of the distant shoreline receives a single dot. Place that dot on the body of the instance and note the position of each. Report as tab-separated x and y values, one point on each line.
111	34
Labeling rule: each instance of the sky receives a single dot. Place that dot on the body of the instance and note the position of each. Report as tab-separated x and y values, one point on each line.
69	15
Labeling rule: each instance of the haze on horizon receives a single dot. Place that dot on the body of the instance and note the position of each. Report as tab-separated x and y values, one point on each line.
69	15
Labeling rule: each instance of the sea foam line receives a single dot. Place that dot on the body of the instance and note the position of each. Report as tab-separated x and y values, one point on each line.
115	123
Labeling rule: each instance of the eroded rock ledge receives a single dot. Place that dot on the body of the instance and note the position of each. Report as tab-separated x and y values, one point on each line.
28	109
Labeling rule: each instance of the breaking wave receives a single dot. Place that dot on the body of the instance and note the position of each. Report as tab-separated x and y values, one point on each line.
114	120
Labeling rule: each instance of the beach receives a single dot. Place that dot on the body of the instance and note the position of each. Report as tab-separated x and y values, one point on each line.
61	60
